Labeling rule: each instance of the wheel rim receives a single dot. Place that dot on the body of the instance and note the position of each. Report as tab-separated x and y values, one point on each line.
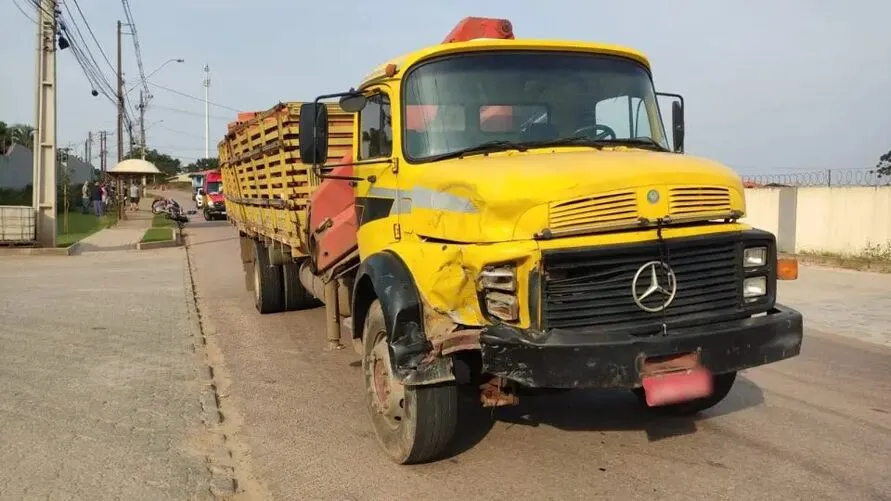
387	395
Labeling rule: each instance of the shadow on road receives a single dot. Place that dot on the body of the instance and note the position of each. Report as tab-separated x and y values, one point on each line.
589	410
193	243
199	222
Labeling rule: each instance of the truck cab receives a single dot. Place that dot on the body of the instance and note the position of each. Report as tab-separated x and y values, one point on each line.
524	220
213	201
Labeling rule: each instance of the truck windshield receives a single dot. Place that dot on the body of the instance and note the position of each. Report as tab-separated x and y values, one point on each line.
501	98
214	187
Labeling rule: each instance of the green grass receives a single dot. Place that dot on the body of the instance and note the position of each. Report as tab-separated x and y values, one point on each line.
81	226
157	235
161	221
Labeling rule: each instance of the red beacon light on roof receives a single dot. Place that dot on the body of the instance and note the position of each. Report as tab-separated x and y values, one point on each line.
471	28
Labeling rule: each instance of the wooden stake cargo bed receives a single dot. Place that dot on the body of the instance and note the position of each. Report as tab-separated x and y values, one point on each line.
266	186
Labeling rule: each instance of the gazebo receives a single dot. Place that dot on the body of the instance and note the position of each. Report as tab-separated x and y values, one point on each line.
130	169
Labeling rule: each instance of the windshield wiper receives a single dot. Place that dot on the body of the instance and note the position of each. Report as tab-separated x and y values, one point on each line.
482	148
637	142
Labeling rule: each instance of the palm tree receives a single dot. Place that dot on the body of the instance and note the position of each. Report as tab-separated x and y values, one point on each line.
15	134
22	134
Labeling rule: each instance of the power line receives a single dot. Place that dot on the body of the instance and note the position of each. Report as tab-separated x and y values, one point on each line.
19	7
36	3
93	35
132	23
96	72
193	97
196	136
192	113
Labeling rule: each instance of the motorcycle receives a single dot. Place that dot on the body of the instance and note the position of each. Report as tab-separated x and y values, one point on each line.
172	209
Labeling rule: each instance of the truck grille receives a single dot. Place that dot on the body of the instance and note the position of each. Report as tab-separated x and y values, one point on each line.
581	213
592	288
698	200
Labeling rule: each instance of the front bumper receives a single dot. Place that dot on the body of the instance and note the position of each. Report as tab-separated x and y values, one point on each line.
216	209
593	359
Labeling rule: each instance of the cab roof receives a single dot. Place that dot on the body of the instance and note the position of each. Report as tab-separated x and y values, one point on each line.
486	44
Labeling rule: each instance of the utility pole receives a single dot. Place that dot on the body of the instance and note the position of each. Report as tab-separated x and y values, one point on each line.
120	99
142	123
88	153
103	152
44	180
206	111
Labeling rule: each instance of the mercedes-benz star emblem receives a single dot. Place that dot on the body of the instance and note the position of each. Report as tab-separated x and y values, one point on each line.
653	196
654	277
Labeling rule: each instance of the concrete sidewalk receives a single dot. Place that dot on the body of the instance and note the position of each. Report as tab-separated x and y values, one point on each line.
105	389
123	235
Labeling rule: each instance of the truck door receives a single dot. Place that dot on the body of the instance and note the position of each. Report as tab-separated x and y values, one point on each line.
377	210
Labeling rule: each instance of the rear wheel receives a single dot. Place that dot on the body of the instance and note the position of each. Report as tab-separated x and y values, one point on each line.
721	384
413	424
296	296
269	294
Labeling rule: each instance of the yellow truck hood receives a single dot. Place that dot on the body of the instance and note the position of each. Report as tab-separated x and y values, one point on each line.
516	196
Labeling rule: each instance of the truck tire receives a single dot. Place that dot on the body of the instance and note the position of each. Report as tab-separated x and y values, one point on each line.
413	424
269	292
722	384
296	296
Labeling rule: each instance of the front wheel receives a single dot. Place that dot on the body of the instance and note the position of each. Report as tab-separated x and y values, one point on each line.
413	424
721	384
157	206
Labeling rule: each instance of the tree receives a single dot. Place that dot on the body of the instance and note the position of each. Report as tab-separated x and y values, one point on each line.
15	134
203	164
883	168
168	165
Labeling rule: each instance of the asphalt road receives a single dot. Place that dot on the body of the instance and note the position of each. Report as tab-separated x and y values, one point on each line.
814	427
101	387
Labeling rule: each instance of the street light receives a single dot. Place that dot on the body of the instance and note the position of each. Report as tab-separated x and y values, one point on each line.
157	70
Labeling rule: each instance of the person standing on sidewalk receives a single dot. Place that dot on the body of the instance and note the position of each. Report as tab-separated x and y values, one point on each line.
85	198
104	189
134	197
96	197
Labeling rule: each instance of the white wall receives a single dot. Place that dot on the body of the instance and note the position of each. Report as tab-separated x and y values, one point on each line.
841	220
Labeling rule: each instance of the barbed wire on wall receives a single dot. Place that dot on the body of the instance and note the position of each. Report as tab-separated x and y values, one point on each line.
826	177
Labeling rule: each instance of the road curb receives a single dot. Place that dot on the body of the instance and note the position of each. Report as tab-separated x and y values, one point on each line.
856	264
176	241
40	251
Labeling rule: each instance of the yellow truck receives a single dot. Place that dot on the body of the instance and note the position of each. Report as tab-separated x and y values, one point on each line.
507	214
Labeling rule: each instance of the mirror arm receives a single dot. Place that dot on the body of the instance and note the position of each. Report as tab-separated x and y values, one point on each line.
318	170
669	94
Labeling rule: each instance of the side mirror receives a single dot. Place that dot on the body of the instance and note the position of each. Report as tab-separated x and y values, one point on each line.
313	133
353	103
677	126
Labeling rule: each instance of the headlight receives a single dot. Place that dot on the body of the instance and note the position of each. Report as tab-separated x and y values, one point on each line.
754	257
503	306
503	278
754	287
499	287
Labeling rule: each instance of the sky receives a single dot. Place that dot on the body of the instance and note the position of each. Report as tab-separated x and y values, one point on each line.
771	87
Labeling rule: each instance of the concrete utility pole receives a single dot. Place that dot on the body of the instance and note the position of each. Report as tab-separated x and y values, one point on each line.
206	112
120	99
103	152
44	181
142	124
88	153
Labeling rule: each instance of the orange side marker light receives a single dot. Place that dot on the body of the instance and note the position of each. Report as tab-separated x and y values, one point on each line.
787	268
